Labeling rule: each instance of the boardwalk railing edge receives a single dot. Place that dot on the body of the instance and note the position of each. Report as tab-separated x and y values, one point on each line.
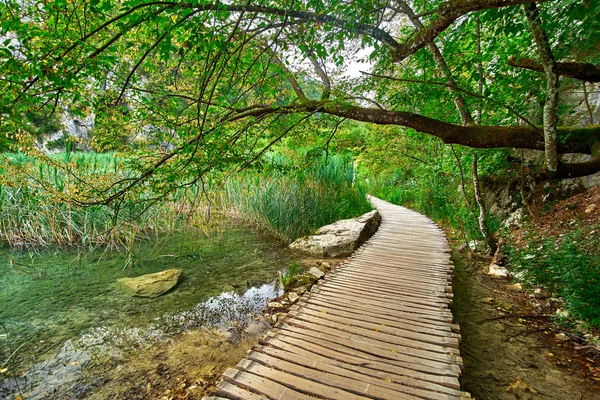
379	326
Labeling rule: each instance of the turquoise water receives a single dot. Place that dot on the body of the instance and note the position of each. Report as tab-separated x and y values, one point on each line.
52	297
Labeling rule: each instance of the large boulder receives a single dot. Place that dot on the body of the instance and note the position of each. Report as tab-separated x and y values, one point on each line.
151	285
340	238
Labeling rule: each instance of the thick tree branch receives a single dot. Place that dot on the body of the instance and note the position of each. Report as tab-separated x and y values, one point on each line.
582	71
575	170
570	140
551	103
447	13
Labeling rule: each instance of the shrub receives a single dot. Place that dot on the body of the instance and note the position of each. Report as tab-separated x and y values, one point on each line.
568	266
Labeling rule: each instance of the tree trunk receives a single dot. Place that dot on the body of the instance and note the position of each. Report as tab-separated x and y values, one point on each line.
550	119
587	103
489	240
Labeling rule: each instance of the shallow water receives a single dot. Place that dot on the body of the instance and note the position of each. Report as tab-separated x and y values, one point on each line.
61	310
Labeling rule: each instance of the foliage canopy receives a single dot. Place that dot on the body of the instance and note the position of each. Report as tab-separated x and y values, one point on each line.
218	83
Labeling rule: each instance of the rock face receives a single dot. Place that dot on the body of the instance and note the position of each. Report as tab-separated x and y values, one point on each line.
151	285
340	238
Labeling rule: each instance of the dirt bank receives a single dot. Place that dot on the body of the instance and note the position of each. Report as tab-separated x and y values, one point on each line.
510	351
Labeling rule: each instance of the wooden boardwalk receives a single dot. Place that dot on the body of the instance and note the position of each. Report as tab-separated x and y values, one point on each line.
377	327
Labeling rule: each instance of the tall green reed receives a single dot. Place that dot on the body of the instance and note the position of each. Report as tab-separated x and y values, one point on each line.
292	202
35	207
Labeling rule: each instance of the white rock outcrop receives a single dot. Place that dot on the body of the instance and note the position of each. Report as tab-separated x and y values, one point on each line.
340	238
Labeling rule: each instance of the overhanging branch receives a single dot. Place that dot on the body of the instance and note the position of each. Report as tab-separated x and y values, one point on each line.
570	140
582	71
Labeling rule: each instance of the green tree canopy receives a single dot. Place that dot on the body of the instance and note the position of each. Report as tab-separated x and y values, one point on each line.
220	82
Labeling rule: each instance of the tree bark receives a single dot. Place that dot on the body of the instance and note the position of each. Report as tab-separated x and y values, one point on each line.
550	118
447	13
489	240
587	103
571	140
582	71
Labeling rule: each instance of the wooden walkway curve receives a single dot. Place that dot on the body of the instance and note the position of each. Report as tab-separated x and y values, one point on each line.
377	327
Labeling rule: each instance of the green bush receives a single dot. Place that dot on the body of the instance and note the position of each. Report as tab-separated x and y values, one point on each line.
568	266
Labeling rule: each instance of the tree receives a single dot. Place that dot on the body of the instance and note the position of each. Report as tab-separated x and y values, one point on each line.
225	81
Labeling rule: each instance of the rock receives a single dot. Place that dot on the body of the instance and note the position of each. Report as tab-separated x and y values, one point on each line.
274	305
475	244
151	285
301	290
561	336
514	219
325	265
521	390
255	328
515	287
228	288
498	271
293	297
276	318
316	272
340	238
580	327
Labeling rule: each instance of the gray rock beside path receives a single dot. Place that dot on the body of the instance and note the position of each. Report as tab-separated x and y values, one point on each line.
340	238
151	285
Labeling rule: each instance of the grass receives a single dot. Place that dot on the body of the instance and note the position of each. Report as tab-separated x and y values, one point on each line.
36	206
293	202
289	278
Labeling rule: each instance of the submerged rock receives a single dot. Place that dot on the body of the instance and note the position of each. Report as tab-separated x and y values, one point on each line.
151	285
340	238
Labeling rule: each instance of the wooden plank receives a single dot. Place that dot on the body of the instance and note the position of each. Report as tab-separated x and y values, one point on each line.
334	375
420	348
361	316
441	315
400	268
391	298
233	379
368	366
449	340
387	289
365	337
398	288
390	354
298	383
426	285
415	319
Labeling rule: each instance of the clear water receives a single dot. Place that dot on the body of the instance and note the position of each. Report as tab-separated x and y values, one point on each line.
61	309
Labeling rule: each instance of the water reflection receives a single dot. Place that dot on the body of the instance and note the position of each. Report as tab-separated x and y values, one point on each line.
68	370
